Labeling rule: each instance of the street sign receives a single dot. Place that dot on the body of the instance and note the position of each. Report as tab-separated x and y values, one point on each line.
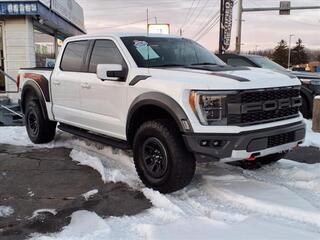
285	7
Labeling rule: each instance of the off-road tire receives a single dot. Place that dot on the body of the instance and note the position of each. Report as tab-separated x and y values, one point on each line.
180	164
38	128
260	162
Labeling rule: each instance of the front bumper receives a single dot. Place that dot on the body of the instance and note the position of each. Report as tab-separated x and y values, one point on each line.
233	147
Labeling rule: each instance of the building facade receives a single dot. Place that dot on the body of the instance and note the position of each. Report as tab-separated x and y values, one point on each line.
31	33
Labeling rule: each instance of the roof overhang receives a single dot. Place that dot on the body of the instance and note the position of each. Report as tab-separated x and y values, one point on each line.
46	17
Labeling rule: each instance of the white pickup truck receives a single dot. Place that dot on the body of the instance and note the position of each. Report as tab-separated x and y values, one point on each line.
166	98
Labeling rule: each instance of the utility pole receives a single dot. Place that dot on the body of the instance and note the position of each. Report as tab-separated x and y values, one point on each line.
241	10
180	32
148	21
239	29
289	55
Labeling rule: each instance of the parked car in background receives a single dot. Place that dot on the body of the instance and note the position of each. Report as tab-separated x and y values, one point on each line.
310	81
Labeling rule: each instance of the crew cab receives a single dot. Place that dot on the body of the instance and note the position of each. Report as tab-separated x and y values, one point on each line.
168	99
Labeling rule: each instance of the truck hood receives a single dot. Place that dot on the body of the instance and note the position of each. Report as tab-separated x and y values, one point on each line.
222	78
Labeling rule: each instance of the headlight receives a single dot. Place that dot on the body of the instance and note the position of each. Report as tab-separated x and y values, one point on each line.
310	81
210	107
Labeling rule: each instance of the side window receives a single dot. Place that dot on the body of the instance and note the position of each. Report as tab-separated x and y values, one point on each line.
72	59
105	52
238	62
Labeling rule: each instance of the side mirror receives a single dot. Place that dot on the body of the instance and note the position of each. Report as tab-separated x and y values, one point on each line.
112	72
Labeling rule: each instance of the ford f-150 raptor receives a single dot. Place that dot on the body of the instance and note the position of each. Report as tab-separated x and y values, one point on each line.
167	99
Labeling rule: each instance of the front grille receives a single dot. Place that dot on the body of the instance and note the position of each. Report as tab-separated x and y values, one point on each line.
281	139
255	111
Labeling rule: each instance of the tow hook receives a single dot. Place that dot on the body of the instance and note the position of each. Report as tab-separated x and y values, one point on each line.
253	157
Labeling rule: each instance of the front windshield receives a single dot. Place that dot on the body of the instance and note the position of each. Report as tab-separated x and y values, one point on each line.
168	52
264	62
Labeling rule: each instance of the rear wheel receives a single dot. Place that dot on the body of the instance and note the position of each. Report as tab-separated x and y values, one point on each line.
39	129
260	162
161	159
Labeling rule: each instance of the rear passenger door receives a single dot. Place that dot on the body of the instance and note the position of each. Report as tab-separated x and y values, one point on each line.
102	102
66	81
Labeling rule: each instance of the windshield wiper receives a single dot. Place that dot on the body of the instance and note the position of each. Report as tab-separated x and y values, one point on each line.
204	63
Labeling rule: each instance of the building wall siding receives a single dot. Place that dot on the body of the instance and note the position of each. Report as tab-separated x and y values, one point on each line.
19	51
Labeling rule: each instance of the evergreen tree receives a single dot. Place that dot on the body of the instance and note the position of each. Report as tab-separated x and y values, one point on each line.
299	55
280	54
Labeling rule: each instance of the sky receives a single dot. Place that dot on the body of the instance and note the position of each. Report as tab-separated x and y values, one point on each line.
261	30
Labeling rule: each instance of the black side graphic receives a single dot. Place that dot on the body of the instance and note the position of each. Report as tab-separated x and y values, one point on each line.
137	79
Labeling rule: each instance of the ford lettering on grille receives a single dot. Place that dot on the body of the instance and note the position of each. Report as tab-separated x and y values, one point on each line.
263	105
271	105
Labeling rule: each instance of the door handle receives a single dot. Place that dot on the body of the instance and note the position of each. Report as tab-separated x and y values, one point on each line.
85	85
57	83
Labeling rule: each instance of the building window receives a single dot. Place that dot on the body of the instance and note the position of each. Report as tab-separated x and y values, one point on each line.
44	49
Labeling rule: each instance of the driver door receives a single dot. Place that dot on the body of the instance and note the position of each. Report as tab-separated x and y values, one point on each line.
102	102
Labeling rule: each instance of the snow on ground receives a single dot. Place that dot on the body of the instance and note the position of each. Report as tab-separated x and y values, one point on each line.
281	201
312	138
5	211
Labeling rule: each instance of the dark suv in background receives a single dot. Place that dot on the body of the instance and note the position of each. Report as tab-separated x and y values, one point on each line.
310	81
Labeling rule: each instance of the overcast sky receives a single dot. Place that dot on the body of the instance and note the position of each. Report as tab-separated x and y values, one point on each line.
261	30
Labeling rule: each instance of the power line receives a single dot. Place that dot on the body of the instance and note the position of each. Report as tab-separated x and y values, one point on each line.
205	19
187	15
201	11
209	29
193	11
207	24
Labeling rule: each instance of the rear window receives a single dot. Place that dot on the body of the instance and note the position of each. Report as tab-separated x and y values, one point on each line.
72	59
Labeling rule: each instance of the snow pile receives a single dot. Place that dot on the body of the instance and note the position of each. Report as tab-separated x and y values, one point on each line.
90	194
83	225
312	138
6	211
279	202
42	211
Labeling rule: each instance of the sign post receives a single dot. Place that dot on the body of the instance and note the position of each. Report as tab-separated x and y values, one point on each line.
226	12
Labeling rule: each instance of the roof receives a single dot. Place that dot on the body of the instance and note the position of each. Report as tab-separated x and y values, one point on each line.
122	34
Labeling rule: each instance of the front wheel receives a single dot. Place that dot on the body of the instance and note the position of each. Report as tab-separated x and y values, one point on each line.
39	129
161	159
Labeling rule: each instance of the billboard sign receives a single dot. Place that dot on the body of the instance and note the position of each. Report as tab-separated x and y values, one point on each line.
226	24
69	10
159	28
15	8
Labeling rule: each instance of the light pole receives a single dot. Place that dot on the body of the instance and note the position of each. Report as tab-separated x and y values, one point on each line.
289	55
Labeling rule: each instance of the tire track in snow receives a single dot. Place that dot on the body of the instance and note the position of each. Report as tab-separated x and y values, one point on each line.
263	207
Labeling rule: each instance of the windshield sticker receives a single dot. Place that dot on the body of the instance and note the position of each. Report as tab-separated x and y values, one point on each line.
145	50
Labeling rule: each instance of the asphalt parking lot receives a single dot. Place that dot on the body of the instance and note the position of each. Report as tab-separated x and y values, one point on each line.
33	179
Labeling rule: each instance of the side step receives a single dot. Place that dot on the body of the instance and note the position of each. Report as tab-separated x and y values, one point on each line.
94	137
